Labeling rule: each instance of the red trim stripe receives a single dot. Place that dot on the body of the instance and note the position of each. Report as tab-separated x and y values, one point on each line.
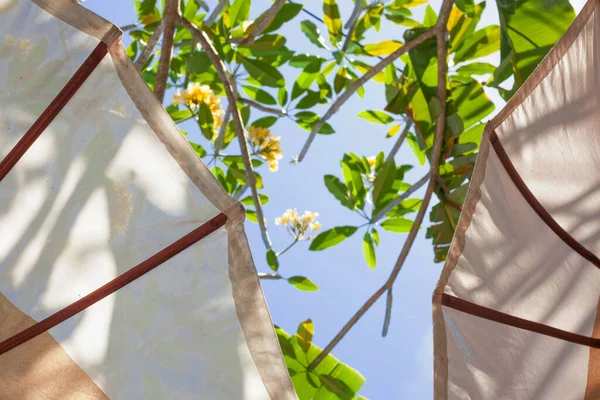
502	318
537	206
53	109
114	285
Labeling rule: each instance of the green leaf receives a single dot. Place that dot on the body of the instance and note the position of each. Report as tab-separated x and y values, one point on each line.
337	386
430	18
476	68
332	20
338	190
303	283
472	104
353	169
455	124
369	250
375	236
285	14
249	201
529	29
309	100
198	149
384	181
264	73
397	225
332	237
259	95
282	96
239	11
313	34
340	80
251	216
466	6
180	115
190	10
384	48
205	121
305	334
482	43
265	122
376	117
435	107
272	261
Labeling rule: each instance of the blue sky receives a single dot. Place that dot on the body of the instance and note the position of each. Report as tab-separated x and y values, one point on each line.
400	365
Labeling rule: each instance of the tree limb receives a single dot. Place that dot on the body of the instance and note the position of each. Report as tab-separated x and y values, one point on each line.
258	106
353	87
231	93
147	52
440	32
351	23
400	140
129	27
216	12
170	18
263	22
263	275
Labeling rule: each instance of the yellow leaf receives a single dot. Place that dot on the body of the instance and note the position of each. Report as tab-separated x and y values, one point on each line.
415	3
384	48
379	77
393	131
150	19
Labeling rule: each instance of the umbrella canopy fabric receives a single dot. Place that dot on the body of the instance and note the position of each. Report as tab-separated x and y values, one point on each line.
516	308
125	271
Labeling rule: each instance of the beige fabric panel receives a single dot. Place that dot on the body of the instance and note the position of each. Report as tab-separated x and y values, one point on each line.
488	360
135	117
514	263
553	139
39	369
172	333
505	258
38	56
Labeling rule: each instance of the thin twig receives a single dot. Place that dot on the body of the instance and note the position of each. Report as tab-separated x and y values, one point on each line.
147	52
287	248
388	312
264	275
216	12
170	17
351	23
129	27
221	137
263	22
416	186
440	32
400	140
230	91
280	112
241	192
354	86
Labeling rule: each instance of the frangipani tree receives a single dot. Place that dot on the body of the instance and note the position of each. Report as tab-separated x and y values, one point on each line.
222	70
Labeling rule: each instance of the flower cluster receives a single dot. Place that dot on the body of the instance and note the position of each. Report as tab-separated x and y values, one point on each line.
266	146
372	163
194	95
301	227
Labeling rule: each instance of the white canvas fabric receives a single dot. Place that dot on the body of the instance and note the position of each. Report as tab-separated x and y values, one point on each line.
109	183
516	308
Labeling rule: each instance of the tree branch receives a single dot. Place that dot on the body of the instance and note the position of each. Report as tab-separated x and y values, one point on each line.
400	140
263	22
263	275
170	18
353	87
216	12
129	27
147	52
223	129
231	93
258	106
351	23
440	32
416	186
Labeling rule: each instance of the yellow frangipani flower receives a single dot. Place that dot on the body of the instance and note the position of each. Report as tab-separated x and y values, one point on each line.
194	95
301	227
372	161
266	146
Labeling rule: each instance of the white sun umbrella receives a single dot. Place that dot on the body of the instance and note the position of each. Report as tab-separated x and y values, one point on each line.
125	272
516	308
